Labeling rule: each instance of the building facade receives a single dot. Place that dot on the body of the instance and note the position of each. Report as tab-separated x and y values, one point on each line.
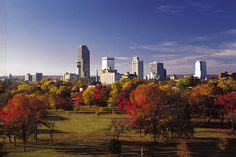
157	71
109	76
69	77
108	63
83	62
28	78
137	67
200	69
37	77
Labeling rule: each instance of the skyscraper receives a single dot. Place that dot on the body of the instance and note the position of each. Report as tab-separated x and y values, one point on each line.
108	63
200	69
37	77
83	62
157	71
137	67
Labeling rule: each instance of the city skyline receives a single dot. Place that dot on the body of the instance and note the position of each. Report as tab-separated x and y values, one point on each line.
34	39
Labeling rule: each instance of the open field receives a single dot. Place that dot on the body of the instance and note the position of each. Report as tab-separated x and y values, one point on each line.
78	134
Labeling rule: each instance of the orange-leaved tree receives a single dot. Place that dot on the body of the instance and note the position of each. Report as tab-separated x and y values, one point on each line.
148	104
21	114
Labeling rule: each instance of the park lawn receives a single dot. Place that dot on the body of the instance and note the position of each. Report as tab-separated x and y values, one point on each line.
73	129
212	133
89	134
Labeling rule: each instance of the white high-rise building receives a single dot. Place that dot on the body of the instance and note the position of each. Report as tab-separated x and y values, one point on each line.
137	67
200	69
108	63
28	78
108	73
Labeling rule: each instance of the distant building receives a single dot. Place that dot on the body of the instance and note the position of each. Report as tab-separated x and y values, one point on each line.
28	78
109	76
173	77
200	69
157	71
108	73
37	77
228	74
151	76
69	77
137	67
83	62
108	63
128	75
7	78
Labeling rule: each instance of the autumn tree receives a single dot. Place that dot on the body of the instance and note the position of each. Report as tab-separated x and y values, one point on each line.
78	100
124	102
228	105
201	100
149	101
88	96
101	95
21	113
115	90
227	84
186	82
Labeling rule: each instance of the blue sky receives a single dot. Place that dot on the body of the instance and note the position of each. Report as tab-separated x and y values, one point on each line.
43	35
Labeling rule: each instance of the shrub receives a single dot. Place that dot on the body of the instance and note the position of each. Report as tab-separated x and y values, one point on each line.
114	146
182	149
223	144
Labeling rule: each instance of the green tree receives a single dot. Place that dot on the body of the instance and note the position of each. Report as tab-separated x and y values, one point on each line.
186	82
88	96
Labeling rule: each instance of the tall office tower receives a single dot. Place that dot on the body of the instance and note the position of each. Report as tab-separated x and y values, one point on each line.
83	62
200	69
153	67
137	67
157	71
108	63
37	77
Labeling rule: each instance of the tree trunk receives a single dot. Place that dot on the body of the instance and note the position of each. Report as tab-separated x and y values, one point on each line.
140	133
36	131
155	137
24	140
172	134
232	123
154	134
117	138
14	136
222	118
9	136
209	118
51	135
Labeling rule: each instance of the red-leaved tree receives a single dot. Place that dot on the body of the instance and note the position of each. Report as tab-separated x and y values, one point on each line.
124	102
21	114
228	105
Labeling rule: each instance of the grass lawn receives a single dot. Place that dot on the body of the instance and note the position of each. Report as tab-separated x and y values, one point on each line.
79	134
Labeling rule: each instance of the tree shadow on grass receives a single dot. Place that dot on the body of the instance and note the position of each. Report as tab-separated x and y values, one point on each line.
56	118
